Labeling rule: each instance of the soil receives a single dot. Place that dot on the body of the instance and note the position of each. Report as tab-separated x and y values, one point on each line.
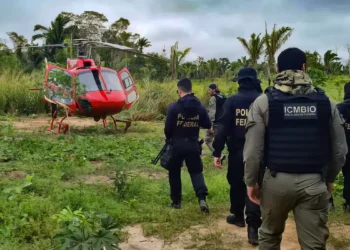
218	235
98	179
43	122
16	175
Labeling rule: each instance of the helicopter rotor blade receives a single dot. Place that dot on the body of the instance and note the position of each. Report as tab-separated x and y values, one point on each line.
127	49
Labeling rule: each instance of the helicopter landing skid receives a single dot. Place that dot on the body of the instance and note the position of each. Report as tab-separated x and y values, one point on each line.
127	123
61	125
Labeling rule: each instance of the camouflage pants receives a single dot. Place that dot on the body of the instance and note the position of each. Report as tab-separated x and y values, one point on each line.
304	194
209	138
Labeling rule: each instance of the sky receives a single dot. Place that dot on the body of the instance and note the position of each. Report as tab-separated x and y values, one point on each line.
209	27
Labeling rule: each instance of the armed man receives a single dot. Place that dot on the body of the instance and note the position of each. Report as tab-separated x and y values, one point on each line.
215	110
183	122
232	130
298	132
344	110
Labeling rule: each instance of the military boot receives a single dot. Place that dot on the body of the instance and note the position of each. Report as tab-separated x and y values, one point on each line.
175	205
239	222
346	208
253	237
204	206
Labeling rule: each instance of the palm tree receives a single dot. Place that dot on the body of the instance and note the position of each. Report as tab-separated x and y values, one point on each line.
330	59
143	43
176	58
254	48
57	32
212	65
274	42
19	42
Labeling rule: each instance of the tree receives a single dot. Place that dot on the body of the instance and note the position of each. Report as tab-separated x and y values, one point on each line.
90	24
19	42
331	62
313	60
255	47
57	32
143	43
273	43
176	58
212	67
224	65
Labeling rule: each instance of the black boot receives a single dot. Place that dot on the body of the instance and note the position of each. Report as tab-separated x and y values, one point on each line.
331	204
239	222
253	237
175	205
346	208
204	206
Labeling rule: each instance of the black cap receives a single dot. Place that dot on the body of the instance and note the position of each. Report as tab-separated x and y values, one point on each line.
246	72
185	84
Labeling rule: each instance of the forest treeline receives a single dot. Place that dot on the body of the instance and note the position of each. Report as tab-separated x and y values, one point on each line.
261	49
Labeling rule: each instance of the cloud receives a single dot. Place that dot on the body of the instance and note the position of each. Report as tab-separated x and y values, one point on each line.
209	27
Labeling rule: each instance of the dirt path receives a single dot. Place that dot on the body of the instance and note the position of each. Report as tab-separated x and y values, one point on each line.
218	235
43	122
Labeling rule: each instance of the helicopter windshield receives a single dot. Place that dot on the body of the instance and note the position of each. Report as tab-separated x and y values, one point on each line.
89	81
111	80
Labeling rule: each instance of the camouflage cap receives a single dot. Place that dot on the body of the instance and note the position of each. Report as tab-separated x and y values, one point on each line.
292	78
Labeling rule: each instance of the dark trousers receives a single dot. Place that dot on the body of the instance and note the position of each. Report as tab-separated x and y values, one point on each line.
190	154
238	191
346	190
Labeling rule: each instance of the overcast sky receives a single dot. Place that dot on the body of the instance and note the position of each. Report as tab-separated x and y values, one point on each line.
209	27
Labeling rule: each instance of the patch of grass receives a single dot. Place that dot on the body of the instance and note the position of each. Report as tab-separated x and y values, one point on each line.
339	242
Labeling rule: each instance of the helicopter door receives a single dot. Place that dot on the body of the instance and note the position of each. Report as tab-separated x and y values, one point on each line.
58	86
129	86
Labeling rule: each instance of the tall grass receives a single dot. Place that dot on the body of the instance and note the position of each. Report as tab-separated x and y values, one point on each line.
16	98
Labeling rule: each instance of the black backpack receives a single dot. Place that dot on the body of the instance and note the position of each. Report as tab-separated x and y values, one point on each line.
220	100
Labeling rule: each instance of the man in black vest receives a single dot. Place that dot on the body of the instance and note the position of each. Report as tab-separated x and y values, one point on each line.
298	132
232	130
215	110
344	110
183	122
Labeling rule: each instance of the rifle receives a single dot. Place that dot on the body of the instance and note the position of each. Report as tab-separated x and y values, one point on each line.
163	150
160	154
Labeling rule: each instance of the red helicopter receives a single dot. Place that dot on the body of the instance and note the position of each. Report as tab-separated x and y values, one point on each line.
85	89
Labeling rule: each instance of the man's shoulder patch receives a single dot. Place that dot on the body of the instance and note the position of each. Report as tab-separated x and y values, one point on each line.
300	111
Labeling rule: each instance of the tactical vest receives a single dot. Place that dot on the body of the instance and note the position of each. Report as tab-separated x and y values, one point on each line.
241	103
297	138
344	110
187	126
220	100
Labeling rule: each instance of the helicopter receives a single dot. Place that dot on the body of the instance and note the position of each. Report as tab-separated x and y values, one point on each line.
85	89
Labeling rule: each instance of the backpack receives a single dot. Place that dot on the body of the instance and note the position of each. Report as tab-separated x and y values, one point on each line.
220	100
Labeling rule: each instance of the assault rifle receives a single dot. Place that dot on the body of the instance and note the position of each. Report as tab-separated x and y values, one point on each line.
160	154
164	148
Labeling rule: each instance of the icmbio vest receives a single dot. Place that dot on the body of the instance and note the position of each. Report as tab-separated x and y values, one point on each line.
297	138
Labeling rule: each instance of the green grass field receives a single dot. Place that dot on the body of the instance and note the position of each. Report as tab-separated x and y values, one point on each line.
64	171
99	171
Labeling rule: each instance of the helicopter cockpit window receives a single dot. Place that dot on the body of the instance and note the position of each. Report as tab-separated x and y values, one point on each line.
126	80
59	86
111	80
88	81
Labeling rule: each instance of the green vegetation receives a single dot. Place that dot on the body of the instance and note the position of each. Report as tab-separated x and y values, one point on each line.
50	197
